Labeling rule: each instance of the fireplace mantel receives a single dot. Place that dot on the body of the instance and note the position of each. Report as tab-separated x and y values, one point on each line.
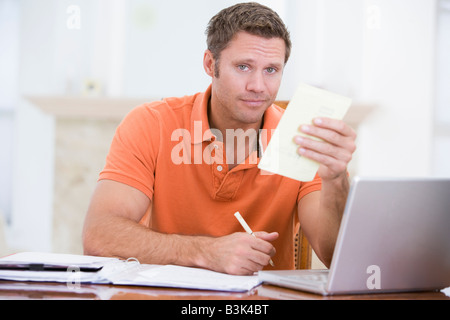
87	107
117	108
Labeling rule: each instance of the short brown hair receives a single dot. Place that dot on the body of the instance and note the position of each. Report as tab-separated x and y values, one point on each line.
250	17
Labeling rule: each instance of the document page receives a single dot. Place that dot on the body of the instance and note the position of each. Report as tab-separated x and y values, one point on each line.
191	278
129	272
56	259
308	103
69	264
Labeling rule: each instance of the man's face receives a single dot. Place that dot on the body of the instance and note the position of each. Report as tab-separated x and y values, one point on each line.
250	72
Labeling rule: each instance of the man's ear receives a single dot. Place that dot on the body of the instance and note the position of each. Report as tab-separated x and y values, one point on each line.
209	63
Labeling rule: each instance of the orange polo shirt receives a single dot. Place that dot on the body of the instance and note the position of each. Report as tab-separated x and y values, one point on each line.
166	150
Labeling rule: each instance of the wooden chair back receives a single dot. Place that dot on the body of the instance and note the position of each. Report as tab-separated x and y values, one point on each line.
303	250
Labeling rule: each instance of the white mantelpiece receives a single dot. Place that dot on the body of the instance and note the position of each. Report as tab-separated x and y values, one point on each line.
86	107
117	108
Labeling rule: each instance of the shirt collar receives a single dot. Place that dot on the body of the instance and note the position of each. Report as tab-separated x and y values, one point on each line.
200	130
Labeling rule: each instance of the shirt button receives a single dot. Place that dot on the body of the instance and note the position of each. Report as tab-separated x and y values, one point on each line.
219	168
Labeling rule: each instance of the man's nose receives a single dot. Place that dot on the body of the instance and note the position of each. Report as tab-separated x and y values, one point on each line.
256	83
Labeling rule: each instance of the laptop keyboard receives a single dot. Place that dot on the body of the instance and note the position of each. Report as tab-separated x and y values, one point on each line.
319	277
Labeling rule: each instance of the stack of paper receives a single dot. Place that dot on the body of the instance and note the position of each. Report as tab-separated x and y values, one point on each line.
74	269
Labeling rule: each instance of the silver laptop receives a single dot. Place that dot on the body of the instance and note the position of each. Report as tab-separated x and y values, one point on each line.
394	236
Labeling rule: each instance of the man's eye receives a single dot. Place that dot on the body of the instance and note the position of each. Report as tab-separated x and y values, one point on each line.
271	70
242	67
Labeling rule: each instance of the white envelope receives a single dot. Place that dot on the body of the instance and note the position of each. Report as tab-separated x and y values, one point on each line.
308	103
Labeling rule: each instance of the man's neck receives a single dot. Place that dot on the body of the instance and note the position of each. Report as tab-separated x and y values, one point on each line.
242	137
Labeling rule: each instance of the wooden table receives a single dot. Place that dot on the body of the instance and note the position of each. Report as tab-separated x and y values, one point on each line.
48	291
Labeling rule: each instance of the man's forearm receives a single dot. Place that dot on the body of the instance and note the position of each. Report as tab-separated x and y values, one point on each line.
332	204
124	238
334	194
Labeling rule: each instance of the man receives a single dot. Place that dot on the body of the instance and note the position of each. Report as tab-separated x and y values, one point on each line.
174	176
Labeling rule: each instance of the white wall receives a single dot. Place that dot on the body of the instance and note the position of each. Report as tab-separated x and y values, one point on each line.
6	160
9	44
398	74
441	161
32	188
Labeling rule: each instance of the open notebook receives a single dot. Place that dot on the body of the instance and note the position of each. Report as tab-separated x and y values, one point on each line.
70	269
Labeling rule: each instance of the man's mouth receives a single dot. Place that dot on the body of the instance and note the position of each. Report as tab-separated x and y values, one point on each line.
254	102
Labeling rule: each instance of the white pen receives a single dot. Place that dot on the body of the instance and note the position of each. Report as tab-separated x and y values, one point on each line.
248	230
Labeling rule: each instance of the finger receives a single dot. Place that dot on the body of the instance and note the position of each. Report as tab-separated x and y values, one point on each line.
262	242
327	135
248	270
259	260
334	131
242	270
323	148
248	261
245	262
259	250
336	165
332	144
335	125
266	236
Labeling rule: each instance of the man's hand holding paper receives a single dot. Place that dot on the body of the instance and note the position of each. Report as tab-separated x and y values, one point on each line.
334	150
312	124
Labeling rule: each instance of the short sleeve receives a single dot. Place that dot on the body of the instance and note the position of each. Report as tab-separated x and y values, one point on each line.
308	187
134	150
